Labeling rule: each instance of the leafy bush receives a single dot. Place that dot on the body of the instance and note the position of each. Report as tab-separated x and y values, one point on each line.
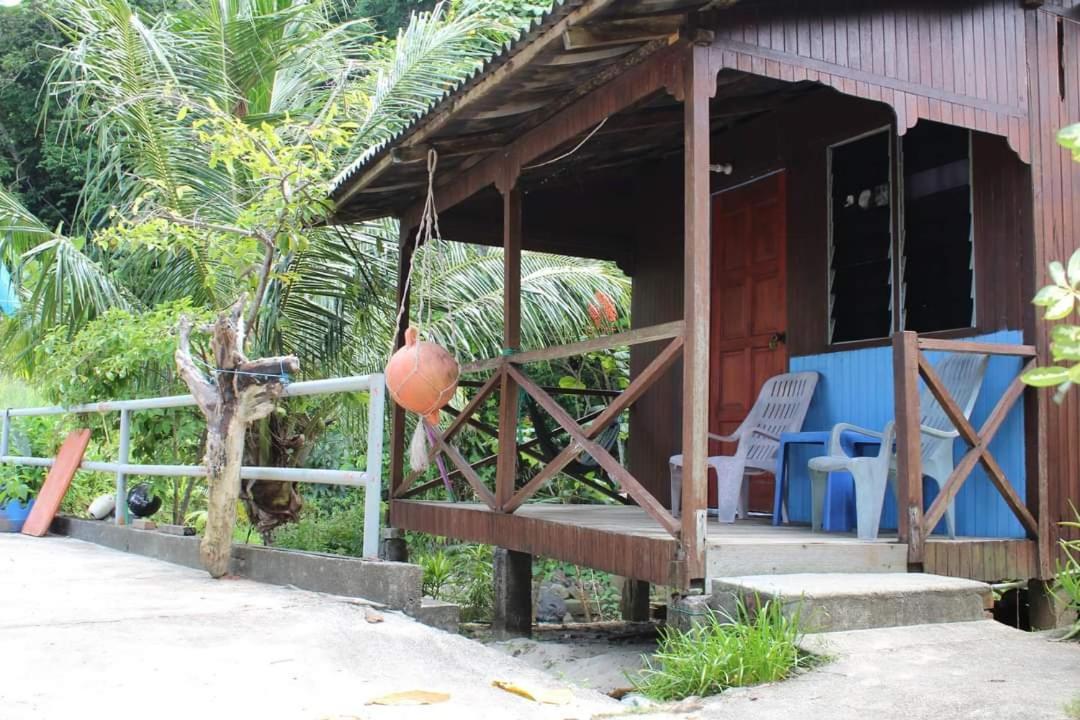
1067	579
438	572
715	656
338	530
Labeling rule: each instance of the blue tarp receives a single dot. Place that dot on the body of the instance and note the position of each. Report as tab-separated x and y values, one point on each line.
9	301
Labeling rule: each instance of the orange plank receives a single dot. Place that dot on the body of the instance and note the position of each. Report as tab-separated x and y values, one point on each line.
57	482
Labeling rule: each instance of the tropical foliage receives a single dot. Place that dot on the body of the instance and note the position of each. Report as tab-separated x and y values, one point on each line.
209	133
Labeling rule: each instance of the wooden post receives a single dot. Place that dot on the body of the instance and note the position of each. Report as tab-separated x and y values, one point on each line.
506	468
699	87
908	444
634	603
513	594
397	418
1037	492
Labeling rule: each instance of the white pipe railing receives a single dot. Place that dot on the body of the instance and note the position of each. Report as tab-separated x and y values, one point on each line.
370	478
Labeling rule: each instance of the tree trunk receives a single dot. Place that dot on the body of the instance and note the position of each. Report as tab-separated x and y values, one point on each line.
241	392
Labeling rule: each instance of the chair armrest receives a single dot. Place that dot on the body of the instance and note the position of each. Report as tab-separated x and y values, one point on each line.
934	432
836	448
725	438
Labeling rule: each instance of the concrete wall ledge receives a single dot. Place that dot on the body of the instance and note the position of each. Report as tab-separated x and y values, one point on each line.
396	585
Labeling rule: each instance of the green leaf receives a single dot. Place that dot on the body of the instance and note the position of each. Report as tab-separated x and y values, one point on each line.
1049	295
1046	376
1061	308
1074	269
570	382
1057	273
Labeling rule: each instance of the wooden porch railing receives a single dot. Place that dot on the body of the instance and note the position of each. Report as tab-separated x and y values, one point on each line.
910	364
582	433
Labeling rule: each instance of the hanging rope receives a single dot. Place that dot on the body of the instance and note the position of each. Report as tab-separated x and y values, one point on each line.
427	234
428	230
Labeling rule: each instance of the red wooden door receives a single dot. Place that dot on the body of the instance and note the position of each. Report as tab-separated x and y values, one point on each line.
749	309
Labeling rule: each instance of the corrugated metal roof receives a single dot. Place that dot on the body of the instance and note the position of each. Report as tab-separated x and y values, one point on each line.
534	30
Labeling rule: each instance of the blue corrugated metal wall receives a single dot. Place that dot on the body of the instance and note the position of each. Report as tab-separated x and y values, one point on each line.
857	387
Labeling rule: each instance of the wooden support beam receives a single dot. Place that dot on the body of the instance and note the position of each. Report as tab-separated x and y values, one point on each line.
512	575
980	348
621	475
506	468
446	110
622	32
639	336
699	85
450	148
979	453
455	425
908	444
634	390
624	88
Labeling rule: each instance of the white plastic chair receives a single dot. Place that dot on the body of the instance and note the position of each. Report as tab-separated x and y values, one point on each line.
962	374
780	407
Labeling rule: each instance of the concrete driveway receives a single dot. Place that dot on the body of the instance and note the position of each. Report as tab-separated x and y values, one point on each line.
87	632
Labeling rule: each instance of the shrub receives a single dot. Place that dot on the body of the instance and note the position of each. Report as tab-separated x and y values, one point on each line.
1067	579
339	531
718	655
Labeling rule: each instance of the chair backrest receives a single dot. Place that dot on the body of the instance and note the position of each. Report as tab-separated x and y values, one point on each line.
962	374
780	407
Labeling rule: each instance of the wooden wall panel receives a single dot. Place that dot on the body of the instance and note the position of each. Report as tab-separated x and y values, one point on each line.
964	66
1056	213
796	138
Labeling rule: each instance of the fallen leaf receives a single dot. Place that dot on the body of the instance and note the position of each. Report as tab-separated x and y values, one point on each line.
373	616
540	695
411	697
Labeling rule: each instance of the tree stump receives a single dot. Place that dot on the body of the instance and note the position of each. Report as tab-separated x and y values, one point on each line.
240	392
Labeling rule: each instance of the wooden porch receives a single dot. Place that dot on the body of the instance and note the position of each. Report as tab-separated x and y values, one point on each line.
624	540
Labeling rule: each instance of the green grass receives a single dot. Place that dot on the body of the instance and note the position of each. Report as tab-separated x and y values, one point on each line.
1073	708
717	655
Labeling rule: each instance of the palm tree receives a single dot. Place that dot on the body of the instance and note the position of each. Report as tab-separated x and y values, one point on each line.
142	85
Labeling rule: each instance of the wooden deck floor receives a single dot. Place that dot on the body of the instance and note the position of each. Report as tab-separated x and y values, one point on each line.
626	541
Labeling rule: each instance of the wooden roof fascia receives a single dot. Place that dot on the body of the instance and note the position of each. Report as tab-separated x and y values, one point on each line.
433	121
660	70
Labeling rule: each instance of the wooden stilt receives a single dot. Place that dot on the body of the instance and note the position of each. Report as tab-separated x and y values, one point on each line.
513	594
634	603
699	86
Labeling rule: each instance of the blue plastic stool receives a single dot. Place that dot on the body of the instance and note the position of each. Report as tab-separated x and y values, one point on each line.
840	490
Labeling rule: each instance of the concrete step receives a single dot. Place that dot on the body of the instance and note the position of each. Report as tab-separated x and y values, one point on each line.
438	614
831	602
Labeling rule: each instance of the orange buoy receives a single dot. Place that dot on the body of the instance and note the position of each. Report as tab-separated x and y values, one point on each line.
422	377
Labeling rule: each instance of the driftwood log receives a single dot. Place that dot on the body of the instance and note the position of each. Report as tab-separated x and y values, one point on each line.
240	392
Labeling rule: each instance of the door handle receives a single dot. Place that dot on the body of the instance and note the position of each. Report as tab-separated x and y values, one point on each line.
776	339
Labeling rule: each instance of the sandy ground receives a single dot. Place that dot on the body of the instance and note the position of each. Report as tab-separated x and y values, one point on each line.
593	664
88	632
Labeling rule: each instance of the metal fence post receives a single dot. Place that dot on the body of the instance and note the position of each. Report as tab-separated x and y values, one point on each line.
121	477
373	486
5	433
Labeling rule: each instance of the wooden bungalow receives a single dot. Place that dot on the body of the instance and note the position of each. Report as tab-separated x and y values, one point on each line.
845	186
